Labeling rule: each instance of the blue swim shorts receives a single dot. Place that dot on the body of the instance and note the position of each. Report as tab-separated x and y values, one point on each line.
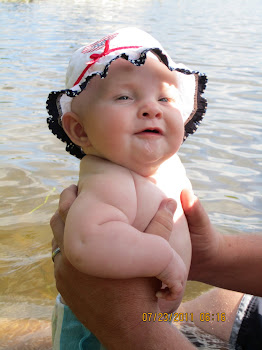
247	329
68	333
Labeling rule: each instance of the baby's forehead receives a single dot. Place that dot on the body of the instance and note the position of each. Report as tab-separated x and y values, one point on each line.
122	71
151	65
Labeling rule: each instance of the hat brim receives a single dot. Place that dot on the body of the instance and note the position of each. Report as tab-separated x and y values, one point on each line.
193	119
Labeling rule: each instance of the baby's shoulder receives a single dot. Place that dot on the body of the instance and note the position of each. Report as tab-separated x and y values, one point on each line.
109	183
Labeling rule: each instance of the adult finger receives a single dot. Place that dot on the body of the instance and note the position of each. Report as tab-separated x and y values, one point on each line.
67	198
162	222
54	244
57	226
197	217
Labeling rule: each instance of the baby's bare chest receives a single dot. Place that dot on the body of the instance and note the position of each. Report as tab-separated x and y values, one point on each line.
149	197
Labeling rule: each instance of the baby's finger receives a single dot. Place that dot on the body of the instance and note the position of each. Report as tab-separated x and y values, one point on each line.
163	293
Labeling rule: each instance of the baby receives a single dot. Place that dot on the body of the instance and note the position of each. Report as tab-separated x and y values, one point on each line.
126	111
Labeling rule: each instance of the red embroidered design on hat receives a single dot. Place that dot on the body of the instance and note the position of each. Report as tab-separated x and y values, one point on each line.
99	44
96	56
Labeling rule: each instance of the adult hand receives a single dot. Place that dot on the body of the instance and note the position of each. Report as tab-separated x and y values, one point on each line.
112	309
205	239
226	261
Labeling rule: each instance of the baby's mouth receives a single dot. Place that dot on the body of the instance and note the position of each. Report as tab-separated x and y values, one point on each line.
154	131
150	131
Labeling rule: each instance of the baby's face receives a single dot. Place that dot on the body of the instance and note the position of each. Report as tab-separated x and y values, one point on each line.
132	117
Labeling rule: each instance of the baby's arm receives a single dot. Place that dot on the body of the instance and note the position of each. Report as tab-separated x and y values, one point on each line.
105	244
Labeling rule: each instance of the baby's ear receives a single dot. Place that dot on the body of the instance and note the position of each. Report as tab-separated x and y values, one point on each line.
75	129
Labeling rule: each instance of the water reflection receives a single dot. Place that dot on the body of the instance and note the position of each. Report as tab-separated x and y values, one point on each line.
223	159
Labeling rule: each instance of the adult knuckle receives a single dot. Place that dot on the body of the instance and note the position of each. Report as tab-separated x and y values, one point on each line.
64	207
53	220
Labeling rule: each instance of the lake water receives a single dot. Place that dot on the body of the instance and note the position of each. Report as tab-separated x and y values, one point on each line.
223	159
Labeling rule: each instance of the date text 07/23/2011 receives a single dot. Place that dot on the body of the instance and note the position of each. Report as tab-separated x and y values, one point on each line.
183	317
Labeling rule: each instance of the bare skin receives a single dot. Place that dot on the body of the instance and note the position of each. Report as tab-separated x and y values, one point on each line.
208	246
225	261
115	205
36	335
106	309
116	197
221	303
233	263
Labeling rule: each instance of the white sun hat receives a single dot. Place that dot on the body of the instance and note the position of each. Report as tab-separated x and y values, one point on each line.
135	46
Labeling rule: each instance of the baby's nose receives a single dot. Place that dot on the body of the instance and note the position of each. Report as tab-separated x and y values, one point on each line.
150	110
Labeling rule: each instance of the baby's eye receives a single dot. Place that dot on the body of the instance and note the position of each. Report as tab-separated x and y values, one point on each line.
123	98
168	99
165	99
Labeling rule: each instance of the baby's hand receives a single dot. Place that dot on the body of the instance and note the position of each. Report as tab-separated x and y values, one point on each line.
174	277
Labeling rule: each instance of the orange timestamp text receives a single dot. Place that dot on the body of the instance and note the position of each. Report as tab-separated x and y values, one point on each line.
183	317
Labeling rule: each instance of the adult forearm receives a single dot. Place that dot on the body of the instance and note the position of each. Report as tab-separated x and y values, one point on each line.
117	320
151	336
238	265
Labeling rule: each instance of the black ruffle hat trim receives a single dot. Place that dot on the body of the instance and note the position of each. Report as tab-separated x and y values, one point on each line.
55	113
192	125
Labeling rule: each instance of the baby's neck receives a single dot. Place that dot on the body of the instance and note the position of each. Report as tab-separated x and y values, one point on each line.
168	167
150	171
